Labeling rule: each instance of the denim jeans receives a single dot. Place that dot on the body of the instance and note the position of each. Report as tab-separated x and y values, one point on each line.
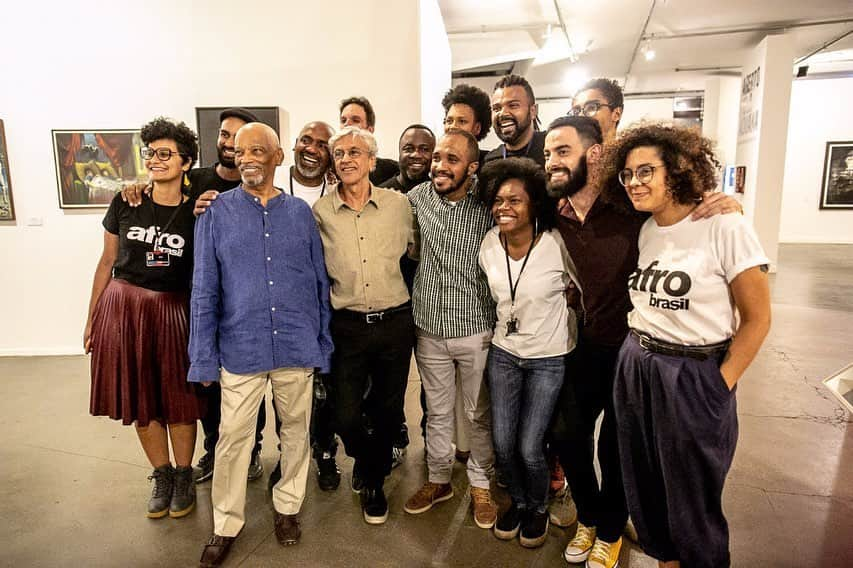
523	394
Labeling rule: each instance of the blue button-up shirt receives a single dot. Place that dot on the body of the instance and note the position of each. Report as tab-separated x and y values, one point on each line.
260	298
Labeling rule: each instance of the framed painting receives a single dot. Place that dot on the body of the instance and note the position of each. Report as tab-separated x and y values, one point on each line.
836	191
93	165
7	206
207	122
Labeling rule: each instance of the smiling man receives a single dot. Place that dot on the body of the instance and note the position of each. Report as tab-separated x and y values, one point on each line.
358	112
416	146
260	313
311	161
515	121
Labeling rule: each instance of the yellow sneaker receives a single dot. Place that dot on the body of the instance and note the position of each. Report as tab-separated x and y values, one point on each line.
580	546
604	554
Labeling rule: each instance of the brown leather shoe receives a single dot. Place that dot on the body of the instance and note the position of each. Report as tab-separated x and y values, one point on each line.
215	551
485	510
427	496
287	529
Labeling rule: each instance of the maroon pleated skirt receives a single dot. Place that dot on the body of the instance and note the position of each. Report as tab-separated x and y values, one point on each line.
139	357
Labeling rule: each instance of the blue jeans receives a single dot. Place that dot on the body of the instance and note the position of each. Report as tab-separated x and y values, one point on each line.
523	393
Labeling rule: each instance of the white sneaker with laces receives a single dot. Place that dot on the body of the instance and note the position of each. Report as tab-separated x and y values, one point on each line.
579	547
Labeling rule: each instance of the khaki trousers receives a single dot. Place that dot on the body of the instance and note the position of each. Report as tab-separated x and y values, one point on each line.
292	390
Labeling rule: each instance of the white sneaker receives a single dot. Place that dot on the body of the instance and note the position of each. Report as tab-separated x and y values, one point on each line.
580	546
563	511
398	456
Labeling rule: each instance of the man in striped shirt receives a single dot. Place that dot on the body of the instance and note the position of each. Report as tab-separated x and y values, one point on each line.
454	318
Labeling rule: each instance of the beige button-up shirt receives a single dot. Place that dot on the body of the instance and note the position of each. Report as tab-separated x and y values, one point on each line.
363	249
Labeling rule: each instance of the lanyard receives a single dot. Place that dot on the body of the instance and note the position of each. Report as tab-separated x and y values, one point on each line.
158	231
322	190
526	150
514	286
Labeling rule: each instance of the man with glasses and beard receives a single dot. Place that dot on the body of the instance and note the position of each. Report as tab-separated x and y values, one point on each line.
454	317
516	122
602	100
602	240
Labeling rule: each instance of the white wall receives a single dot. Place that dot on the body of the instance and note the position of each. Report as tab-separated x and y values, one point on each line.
820	112
167	58
435	62
720	119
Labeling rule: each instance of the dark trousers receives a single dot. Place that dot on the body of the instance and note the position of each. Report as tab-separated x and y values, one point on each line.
587	392
323	438
677	425
380	353
210	421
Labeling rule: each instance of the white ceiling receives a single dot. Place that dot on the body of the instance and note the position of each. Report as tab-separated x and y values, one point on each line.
691	39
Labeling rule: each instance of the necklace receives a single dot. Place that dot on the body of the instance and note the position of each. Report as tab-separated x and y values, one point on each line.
512	323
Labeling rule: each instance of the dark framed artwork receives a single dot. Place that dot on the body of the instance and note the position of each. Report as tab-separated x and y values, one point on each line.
207	122
7	205
836	191
93	165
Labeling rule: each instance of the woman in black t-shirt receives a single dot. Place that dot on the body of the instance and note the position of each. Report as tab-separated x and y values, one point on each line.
137	330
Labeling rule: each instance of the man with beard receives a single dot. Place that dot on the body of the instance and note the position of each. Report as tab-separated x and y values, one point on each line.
307	176
602	240
416	146
358	112
468	108
602	100
515	120
454	317
260	314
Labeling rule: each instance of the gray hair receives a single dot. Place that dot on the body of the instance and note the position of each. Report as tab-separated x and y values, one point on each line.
355	132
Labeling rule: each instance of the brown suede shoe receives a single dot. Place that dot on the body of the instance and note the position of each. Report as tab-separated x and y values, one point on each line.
215	551
287	529
485	510
427	496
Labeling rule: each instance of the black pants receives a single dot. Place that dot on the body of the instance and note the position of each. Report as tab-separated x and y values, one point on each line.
323	438
380	353
587	392
210	421
677	424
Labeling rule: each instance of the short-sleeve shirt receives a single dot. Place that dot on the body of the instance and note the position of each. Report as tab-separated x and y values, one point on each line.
546	326
680	290
363	249
204	179
137	229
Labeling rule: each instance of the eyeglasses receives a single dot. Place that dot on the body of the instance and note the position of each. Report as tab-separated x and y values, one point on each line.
644	174
352	154
163	154
589	108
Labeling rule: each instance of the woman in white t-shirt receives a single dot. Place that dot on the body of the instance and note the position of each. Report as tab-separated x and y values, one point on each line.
701	311
529	271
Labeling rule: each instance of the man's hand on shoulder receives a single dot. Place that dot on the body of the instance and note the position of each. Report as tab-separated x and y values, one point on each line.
715	203
204	200
132	193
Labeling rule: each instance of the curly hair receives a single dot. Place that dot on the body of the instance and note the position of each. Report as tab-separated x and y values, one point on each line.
162	128
494	174
475	98
691	167
609	88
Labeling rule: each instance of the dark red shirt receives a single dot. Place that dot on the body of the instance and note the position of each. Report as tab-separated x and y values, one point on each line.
604	249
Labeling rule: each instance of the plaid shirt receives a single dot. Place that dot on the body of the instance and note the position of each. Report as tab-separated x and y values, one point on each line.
451	295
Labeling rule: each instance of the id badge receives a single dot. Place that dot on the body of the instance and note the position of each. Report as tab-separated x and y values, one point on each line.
157	258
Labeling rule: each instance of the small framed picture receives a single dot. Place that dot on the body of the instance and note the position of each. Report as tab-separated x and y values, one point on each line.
93	165
7	206
836	190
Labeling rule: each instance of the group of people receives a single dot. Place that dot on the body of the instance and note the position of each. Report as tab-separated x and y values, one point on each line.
567	274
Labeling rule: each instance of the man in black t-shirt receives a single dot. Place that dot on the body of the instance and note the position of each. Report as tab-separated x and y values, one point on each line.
358	112
222	176
516	122
416	146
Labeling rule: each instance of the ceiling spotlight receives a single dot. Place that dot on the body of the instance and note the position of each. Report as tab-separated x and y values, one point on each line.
649	54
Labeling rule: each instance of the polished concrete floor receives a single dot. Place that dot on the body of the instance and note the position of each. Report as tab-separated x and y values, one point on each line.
73	488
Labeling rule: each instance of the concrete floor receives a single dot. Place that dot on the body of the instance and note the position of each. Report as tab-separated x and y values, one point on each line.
74	487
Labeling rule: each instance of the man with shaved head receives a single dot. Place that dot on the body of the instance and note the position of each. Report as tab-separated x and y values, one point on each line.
260	313
306	178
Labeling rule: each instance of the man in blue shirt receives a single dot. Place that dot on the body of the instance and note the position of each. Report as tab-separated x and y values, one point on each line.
260	311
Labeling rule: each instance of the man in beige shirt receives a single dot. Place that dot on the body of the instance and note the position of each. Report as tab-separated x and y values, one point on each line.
365	230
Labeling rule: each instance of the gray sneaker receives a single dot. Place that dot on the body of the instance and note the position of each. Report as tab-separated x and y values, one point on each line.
161	494
183	492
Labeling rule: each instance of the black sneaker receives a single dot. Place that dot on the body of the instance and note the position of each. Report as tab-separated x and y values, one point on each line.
357	482
508	523
183	492
204	468
374	506
256	468
161	494
328	474
275	476
534	529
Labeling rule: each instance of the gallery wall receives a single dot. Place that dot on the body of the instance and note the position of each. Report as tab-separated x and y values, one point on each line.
165	58
820	112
